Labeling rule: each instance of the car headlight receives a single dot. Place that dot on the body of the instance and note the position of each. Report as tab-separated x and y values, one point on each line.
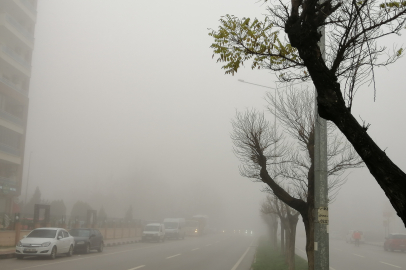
80	242
19	244
45	244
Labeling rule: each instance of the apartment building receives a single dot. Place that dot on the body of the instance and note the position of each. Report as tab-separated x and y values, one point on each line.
17	22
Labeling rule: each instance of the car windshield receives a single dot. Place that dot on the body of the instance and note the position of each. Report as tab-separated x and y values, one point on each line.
171	225
80	233
151	228
42	234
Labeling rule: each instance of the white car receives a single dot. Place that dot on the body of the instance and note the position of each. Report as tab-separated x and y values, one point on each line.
154	232
47	242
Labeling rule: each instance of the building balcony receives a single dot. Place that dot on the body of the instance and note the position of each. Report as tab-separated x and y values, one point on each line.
9	149
20	28
11	118
29	6
17	30
13	86
15	60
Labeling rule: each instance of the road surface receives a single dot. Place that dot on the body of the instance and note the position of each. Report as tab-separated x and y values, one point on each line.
214	252
345	256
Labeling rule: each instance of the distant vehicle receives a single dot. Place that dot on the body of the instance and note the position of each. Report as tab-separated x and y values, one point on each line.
87	239
175	228
349	237
192	227
202	223
395	241
47	242
154	232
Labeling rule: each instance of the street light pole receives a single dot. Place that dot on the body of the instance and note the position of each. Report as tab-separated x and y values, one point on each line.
321	237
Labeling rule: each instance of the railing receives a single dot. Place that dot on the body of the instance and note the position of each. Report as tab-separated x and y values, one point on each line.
9	149
20	28
11	118
29	6
15	56
12	85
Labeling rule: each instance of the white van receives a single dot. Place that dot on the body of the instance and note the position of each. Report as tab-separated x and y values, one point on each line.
154	232
175	227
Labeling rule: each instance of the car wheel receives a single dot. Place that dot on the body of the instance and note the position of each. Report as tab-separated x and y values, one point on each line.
19	257
52	256
87	250
100	249
70	252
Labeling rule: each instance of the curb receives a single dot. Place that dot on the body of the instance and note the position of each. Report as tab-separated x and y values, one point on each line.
7	255
12	254
121	243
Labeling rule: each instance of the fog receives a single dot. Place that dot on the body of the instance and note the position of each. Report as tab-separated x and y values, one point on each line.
127	107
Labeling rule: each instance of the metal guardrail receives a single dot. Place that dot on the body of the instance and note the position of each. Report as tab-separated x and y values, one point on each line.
12	85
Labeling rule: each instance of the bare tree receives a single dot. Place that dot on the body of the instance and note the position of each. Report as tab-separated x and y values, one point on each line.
289	219
290	164
271	220
287	42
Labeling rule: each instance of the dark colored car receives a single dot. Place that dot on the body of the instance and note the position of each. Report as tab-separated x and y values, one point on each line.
87	239
395	241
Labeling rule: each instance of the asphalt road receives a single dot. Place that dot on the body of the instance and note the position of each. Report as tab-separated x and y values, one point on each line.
345	256
211	252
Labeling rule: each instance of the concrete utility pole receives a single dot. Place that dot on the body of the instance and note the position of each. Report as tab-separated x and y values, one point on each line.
321	237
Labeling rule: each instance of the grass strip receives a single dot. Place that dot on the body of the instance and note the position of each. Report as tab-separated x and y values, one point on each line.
269	258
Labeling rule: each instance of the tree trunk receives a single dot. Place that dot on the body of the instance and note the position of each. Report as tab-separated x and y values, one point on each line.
282	239
275	235
292	220
274	232
287	247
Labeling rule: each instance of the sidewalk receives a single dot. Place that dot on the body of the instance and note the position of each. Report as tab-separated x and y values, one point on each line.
9	251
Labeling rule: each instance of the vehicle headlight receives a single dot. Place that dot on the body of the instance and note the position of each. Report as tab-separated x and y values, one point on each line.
45	244
19	244
80	242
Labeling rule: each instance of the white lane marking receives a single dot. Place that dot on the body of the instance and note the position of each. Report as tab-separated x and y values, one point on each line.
242	257
390	264
331	268
173	256
358	255
83	258
195	249
208	245
138	267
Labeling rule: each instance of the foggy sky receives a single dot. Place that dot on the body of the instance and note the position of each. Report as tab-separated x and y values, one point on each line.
126	101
